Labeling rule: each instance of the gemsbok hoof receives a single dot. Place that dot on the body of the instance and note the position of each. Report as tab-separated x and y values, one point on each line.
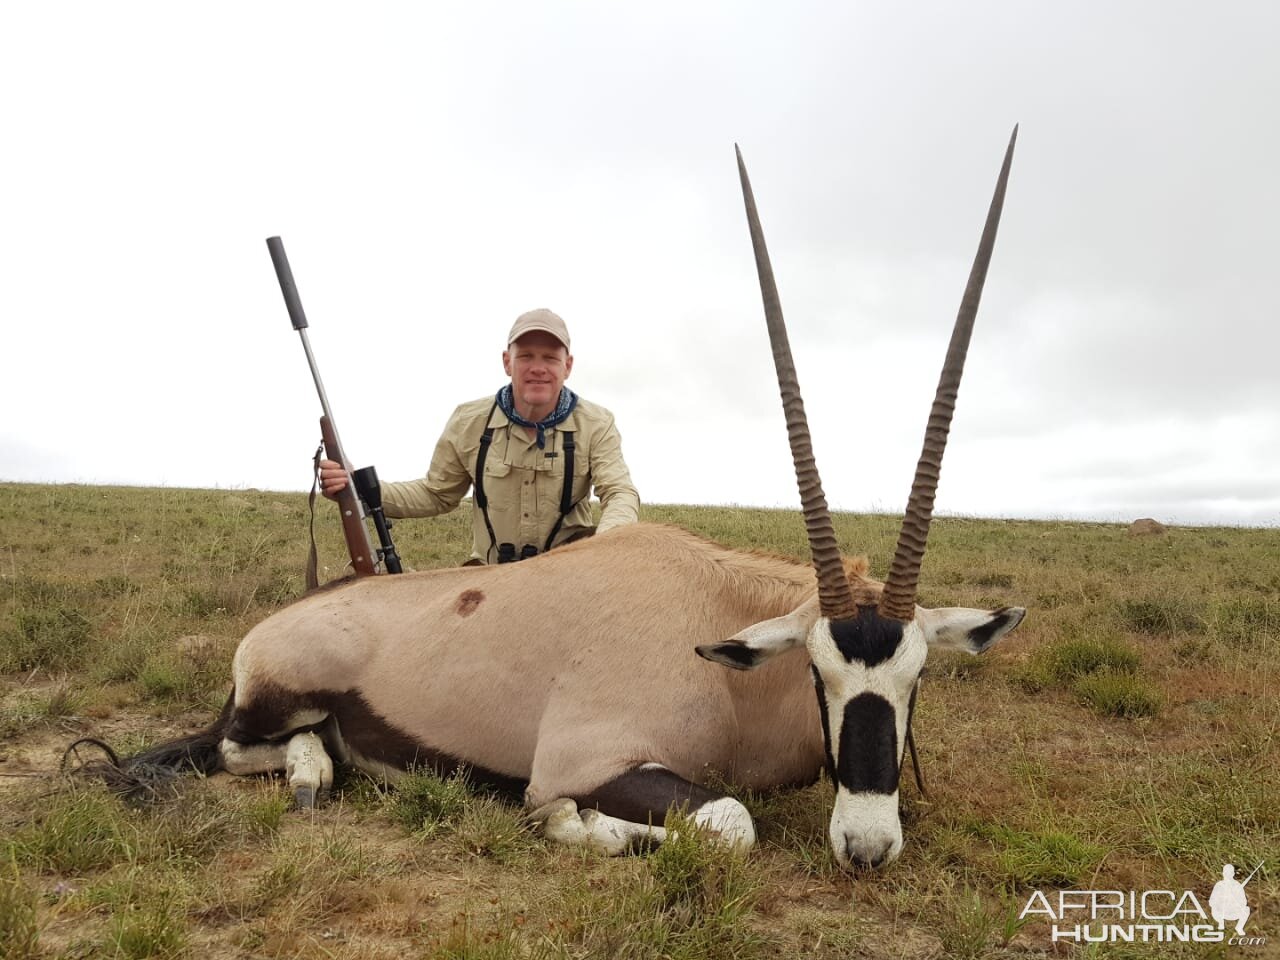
556	815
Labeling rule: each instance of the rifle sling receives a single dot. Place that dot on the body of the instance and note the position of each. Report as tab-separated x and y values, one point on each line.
313	580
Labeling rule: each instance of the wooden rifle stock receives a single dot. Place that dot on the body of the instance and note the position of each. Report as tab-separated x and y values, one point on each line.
358	543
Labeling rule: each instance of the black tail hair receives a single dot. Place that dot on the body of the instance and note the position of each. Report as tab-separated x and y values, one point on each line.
152	774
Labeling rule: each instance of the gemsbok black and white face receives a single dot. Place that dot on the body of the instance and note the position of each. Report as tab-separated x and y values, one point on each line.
866	672
868	646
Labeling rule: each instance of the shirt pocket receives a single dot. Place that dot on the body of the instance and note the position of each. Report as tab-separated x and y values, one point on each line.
496	474
555	467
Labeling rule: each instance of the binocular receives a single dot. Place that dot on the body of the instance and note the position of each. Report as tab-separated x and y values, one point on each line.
507	552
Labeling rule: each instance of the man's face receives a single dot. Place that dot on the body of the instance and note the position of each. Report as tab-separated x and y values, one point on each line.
538	365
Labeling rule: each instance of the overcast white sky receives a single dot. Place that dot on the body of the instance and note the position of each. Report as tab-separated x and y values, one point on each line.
435	170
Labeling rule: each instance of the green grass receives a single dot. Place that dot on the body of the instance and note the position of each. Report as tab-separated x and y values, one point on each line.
967	930
1039	856
82	829
1046	857
1160	617
44	638
1246	621
77	832
1067	660
154	930
1125	735
495	830
432	806
62	700
297	880
429	804
690	899
1203	810
19	931
1118	695
693	872
794	822
1101	670
499	940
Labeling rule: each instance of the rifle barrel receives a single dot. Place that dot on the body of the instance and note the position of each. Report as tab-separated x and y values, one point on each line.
350	509
293	303
324	397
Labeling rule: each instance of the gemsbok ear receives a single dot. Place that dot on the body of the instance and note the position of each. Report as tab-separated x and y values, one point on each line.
960	628
762	641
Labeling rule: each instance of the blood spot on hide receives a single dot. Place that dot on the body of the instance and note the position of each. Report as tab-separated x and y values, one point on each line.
468	600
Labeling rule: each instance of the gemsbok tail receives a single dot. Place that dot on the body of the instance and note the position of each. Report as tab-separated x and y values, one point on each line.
151	774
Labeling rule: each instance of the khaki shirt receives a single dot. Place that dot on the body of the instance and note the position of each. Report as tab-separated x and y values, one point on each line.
523	484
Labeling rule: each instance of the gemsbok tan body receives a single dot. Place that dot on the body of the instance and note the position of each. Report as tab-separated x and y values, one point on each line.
594	677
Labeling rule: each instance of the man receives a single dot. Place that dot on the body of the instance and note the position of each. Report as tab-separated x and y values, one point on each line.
526	440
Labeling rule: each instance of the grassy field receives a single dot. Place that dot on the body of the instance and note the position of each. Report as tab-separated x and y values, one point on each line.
1125	737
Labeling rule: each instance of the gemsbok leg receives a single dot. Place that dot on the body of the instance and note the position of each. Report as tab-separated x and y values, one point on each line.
626	813
302	757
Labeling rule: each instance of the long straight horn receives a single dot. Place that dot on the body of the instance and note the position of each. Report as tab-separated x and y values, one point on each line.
899	598
834	595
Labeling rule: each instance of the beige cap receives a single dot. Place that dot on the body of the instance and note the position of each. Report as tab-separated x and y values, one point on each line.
542	319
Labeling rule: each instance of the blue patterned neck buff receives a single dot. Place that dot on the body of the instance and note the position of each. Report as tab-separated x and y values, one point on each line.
564	407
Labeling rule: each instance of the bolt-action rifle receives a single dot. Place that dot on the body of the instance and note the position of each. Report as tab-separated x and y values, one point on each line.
364	559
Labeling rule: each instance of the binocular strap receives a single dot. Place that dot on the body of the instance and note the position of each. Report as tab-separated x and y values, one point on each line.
566	491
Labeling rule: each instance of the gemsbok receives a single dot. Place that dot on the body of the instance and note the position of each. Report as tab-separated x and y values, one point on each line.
572	675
